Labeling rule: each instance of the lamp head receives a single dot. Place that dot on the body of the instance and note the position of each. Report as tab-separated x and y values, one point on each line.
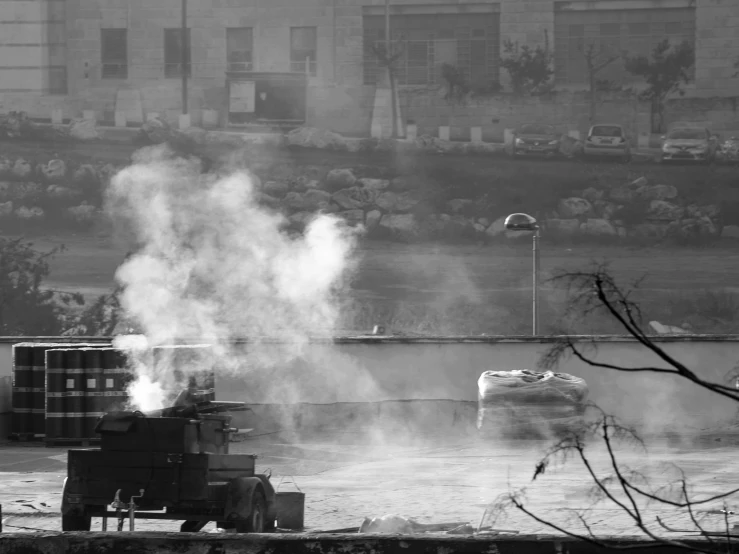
521	222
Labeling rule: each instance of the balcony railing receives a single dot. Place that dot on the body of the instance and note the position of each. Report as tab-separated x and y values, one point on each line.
420	61
175	69
309	67
114	70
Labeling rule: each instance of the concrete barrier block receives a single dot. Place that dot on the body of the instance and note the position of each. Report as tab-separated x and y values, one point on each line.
508	136
185	121
476	134
57	116
574	134
211	118
444	132
120	119
411	131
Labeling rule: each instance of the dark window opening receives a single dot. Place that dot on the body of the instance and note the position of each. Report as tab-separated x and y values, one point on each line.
239	49
114	53
430	48
303	50
174	52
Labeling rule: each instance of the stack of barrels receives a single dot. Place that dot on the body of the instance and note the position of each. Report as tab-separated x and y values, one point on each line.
82	384
29	387
61	390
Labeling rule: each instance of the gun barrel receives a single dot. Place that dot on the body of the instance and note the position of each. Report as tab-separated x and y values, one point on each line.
218	406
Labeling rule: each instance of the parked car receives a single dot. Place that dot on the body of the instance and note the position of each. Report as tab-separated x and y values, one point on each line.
536	139
607	140
728	151
689	144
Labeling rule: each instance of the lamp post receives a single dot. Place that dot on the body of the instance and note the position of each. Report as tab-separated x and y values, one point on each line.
524	222
184	55
390	76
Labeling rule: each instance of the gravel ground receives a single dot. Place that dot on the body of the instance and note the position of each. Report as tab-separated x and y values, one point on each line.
443	480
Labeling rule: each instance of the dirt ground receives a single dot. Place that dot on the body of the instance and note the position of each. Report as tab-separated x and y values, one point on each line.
436	480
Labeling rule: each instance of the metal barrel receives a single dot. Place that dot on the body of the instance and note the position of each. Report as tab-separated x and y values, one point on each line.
117	377
56	422
38	415
75	394
94	401
22	392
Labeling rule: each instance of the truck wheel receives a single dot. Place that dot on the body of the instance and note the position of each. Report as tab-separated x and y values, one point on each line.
76	522
73	519
256	520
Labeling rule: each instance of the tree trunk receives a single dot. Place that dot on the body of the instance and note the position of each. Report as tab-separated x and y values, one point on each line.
593	97
394	102
657	109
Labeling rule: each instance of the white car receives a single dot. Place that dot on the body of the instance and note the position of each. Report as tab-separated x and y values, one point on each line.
607	141
694	144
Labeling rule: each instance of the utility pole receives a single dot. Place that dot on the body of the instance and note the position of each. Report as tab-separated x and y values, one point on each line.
390	76
184	56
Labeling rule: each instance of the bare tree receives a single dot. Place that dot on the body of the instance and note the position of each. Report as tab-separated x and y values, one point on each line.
388	55
596	291
595	62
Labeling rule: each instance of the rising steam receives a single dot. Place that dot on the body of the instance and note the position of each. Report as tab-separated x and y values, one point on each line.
213	265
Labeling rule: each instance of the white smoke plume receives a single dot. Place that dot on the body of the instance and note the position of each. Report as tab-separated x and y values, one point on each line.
213	265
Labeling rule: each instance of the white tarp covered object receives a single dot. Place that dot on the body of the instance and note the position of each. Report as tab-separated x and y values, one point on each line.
523	398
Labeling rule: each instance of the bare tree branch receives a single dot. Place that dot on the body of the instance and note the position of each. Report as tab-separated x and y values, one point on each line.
596	289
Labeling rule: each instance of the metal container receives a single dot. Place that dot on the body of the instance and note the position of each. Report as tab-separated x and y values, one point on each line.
22	396
94	401
290	508
38	404
117	377
125	432
56	423
75	394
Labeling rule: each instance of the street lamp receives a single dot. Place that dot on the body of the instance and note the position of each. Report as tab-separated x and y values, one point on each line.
524	222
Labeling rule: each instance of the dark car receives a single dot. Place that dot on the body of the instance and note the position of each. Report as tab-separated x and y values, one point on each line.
536	139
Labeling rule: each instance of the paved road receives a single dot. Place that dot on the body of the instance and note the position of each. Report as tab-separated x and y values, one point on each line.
438	479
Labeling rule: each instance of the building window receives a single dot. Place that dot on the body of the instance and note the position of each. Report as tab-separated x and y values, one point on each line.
174	52
426	44
609	34
303	47
114	53
239	49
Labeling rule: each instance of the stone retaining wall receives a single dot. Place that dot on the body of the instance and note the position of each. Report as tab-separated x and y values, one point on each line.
192	543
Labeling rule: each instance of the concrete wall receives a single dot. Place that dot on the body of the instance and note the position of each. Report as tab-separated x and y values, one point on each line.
567	110
717	42
375	370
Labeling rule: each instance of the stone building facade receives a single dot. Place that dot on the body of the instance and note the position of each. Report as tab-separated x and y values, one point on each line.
84	54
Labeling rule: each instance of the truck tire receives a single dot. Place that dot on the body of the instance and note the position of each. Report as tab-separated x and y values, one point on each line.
256	521
73	518
76	522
